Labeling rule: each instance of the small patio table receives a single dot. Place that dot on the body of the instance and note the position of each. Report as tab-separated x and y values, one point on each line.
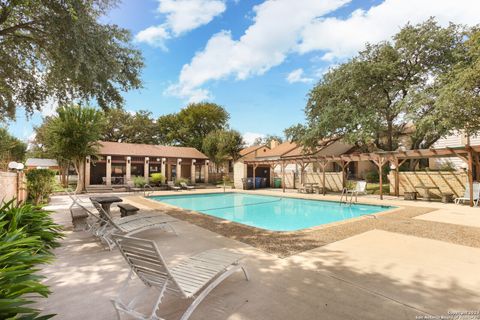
106	202
426	191
310	186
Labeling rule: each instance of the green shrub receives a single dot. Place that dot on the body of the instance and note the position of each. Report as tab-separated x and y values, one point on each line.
350	185
372	176
40	183
27	235
157	178
139	182
447	166
180	180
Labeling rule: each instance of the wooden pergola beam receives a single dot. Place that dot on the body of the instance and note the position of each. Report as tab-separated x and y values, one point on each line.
469	154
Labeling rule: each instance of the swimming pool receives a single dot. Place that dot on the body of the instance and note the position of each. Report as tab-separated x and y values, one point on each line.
269	212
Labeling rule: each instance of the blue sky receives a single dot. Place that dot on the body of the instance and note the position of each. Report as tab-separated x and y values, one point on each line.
258	59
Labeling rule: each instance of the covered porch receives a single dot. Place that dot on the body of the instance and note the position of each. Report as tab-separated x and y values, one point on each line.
114	170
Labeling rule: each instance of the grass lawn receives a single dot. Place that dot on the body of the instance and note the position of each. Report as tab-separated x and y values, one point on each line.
374	188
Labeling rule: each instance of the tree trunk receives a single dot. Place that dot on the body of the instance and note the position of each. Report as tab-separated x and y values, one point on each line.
390	135
64	175
79	168
413	164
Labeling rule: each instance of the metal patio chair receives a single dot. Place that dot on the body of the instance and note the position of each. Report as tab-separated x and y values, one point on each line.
193	278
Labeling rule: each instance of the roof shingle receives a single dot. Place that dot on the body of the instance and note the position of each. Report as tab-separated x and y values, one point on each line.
145	150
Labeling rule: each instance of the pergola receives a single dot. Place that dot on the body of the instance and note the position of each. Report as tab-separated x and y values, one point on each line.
469	154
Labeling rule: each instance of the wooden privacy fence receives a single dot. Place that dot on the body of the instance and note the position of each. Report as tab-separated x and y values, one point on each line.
333	180
442	182
13	186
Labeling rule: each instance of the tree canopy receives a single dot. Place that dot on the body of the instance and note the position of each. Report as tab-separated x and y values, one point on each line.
222	145
123	126
72	135
58	50
192	124
11	148
459	98
267	139
386	91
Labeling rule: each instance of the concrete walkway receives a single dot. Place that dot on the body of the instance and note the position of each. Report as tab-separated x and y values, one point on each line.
374	275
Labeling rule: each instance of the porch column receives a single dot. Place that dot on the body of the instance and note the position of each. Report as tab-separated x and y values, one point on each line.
163	168
192	172
283	176
254	167
272	174
380	174
207	162
179	168
245	175
128	170
87	171
146	169
109	171
301	173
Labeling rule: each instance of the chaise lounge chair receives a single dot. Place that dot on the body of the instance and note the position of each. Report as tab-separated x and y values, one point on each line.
466	196
186	186
129	225
172	186
360	188
192	278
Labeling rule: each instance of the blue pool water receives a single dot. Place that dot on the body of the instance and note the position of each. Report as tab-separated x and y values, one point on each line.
268	212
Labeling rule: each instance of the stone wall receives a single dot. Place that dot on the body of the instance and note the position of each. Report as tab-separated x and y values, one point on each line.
445	181
12	185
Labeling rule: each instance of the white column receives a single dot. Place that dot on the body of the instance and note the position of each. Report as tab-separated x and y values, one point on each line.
179	168
207	162
192	172
87	171
109	171
146	169
128	170
163	168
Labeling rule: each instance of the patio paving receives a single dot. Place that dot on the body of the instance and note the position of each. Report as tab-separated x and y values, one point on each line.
374	275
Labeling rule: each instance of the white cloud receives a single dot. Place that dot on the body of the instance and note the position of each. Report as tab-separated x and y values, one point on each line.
283	27
297	76
265	44
181	16
154	36
192	94
342	38
249	137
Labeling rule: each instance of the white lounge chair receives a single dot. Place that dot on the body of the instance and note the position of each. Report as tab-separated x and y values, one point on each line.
172	186
360	188
193	278
186	186
131	225
466	196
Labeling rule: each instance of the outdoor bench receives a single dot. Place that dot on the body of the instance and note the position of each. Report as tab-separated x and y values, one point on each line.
127	209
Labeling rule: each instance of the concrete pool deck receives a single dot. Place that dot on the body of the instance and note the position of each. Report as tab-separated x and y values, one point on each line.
377	274
283	244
